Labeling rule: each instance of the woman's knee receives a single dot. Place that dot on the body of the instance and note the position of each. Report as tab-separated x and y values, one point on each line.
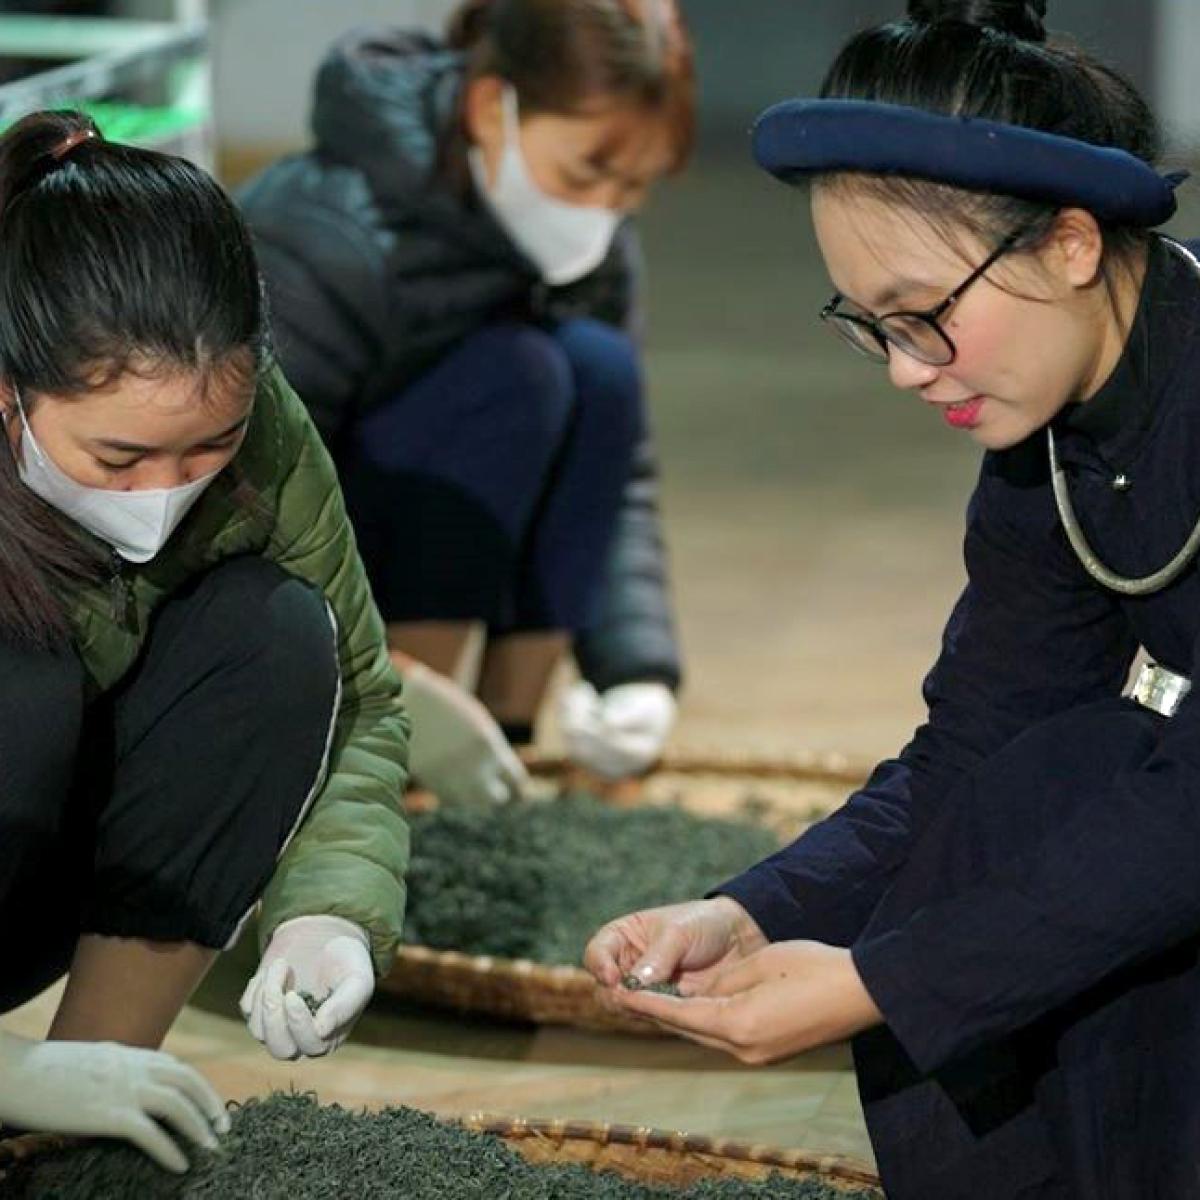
1067	757
531	380
41	712
252	618
1018	800
245	660
606	368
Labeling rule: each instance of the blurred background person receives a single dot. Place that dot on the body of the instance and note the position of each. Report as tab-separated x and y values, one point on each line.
455	285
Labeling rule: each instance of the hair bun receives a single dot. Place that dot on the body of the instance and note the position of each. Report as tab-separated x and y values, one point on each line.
1023	19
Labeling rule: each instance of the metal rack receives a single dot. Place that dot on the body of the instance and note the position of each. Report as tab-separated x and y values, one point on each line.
161	69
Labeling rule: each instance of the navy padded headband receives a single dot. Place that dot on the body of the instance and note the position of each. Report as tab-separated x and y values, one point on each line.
801	137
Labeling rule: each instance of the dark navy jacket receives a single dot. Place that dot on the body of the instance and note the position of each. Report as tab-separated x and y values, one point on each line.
379	261
1032	636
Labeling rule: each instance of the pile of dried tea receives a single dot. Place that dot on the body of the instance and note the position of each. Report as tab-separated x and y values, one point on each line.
291	1148
537	880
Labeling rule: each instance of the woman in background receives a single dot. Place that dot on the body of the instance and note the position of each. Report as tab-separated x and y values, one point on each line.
457	295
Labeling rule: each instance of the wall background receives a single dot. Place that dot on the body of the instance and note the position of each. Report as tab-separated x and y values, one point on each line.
750	53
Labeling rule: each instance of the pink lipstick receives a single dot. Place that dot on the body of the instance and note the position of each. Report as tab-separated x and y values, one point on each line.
964	414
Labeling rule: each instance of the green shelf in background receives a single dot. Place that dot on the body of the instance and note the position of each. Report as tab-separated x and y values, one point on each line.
137	124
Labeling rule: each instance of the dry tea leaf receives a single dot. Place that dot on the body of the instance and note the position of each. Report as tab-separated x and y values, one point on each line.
311	1001
537	880
666	988
287	1147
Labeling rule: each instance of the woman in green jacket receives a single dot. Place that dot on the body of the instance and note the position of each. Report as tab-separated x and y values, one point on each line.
197	710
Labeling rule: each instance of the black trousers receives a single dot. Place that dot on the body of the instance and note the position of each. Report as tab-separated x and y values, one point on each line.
158	811
1099	1100
490	488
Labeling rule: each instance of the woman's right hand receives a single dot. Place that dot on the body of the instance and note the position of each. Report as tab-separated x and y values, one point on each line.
457	751
101	1089
686	943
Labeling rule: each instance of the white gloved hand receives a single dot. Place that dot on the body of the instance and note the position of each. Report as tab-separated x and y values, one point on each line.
457	750
327	957
101	1089
618	733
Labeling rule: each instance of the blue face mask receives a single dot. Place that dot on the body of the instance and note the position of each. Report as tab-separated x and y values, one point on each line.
136	524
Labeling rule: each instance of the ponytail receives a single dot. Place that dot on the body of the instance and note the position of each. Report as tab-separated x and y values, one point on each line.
39	552
36	146
41	556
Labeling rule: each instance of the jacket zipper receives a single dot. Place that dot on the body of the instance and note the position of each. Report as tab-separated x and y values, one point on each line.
118	587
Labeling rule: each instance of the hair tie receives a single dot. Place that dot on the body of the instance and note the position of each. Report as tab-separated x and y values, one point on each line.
71	141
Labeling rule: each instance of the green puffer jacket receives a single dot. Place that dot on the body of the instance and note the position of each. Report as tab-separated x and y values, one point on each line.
280	500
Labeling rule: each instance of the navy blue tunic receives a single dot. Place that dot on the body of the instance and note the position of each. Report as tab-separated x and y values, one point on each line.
1021	886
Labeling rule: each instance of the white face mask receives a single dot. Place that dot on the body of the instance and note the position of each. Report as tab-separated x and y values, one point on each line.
565	241
136	524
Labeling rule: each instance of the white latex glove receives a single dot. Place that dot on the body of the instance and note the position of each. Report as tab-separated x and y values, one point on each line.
457	750
327	957
618	733
101	1089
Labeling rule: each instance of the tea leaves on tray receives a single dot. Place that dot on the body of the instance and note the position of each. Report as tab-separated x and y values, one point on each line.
631	983
287	1147
537	880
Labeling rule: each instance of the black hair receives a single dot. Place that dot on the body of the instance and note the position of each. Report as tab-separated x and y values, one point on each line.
113	259
993	59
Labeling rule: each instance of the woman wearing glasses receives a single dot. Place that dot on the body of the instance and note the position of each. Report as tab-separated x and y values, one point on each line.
1006	918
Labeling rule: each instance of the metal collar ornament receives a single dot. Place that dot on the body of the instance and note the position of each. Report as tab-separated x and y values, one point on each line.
1144	586
1092	564
799	138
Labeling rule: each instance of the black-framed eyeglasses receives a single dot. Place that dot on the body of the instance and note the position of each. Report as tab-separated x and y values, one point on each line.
917	334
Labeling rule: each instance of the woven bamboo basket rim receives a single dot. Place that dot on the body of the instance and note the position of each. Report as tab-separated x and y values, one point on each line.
546	993
556	975
801	766
702	1154
542	993
765	1158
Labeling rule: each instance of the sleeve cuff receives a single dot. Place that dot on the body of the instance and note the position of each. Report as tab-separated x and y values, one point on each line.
924	1023
772	906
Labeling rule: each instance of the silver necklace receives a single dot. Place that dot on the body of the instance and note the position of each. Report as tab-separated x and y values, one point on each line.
1087	556
1070	523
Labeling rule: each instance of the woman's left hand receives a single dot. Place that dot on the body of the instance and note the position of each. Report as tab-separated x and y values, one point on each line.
327	958
779	1001
617	734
